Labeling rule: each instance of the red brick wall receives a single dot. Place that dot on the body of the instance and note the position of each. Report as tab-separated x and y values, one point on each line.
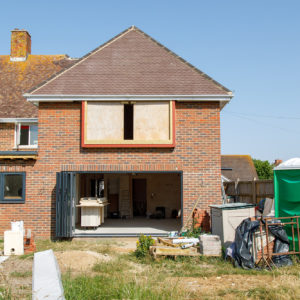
7	136
197	154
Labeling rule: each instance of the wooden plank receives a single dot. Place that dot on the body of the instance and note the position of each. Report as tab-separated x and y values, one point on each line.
170	251
167	243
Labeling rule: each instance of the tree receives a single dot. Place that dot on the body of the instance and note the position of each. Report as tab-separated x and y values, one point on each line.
263	168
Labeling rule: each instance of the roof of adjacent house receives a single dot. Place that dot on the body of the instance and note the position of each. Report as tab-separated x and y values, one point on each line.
238	167
16	77
132	63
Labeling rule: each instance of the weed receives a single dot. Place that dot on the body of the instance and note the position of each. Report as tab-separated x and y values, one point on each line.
5	294
143	245
194	232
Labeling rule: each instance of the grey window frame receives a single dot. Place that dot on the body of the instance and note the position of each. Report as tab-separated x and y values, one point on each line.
12	200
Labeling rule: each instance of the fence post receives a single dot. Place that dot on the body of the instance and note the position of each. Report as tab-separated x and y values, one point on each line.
254	190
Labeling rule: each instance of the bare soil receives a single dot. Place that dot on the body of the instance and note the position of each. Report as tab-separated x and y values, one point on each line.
15	273
79	261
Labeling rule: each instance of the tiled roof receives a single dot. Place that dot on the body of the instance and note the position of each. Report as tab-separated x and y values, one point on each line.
132	63
242	167
16	77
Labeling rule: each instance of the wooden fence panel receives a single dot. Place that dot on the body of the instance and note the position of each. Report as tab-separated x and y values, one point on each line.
249	191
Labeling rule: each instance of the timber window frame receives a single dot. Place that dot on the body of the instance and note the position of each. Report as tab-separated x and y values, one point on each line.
114	114
7	193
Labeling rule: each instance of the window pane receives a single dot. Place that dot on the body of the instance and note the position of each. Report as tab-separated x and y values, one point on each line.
24	135
13	186
33	135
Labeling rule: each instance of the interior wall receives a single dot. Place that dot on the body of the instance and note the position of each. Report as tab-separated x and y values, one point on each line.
85	183
162	190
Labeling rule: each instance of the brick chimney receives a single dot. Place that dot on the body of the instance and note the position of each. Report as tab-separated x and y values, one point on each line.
277	162
20	45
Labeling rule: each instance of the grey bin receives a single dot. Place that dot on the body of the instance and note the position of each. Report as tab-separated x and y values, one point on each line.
226	218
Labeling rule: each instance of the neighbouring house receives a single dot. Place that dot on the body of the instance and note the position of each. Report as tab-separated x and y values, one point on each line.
238	167
130	122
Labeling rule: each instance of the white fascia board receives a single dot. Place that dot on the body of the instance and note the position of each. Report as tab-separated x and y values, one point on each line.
69	98
18	120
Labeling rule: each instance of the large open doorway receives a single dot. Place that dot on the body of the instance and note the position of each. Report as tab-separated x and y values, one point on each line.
118	203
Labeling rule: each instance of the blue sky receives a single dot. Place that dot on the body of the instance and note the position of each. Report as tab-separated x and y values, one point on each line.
251	47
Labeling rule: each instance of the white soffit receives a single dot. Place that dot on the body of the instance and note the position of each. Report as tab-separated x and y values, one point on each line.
18	120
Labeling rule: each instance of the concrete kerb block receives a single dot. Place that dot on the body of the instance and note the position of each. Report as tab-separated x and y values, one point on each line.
46	278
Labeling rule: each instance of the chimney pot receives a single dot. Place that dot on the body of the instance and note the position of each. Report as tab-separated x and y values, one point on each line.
20	45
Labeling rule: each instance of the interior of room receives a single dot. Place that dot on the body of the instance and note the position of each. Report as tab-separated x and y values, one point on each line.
127	203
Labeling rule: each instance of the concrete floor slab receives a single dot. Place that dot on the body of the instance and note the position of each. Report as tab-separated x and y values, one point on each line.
132	227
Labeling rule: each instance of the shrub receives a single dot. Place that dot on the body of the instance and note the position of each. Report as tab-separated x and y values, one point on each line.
143	245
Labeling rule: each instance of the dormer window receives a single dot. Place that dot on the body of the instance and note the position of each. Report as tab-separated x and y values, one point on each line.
26	135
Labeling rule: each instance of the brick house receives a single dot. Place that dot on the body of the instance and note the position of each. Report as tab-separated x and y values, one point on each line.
131	122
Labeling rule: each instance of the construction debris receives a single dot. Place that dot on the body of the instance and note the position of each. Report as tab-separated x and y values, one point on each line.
210	245
156	251
263	242
46	278
3	259
194	241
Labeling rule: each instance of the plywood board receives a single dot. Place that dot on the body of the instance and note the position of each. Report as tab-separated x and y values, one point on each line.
152	121
104	121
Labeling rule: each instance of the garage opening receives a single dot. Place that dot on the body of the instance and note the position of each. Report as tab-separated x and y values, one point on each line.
126	204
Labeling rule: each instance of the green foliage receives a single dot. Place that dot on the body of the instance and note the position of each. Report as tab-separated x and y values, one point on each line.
103	287
5	294
194	232
21	274
143	245
263	168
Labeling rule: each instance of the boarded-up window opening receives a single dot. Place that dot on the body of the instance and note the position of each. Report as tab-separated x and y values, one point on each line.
128	122
149	123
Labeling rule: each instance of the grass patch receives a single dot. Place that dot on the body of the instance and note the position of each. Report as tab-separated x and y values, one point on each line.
21	274
116	287
97	245
265	293
5	294
25	256
110	267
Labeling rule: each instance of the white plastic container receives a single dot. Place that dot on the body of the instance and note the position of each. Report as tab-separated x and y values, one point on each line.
17	226
226	218
13	243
